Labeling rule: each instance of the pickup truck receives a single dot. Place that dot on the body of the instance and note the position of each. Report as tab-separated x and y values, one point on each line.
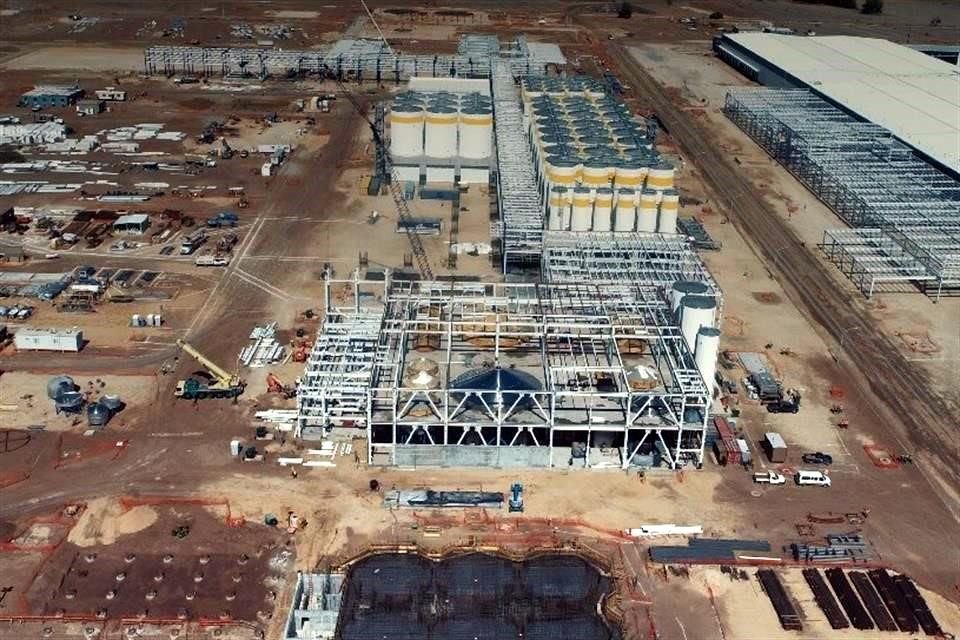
769	477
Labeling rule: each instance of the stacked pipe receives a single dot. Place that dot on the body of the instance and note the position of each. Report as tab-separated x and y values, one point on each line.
825	599
849	600
873	603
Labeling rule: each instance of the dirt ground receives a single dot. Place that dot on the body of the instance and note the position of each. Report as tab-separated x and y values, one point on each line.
311	213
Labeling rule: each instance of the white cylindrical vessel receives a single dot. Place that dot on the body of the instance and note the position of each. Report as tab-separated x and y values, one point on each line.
406	131
660	177
595	174
669	209
705	355
440	134
626	218
630	176
683	288
696	312
647	211
582	217
603	209
476	130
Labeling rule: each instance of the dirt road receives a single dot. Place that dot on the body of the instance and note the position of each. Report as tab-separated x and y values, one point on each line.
910	408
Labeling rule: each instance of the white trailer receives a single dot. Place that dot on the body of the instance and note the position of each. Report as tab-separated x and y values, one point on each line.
33	339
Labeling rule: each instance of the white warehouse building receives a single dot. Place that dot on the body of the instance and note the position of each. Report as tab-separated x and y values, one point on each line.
441	130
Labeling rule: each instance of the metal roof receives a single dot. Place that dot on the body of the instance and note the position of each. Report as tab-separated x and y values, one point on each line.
913	95
131	218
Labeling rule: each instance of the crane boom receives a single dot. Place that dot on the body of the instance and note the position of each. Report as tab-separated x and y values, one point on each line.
224	377
393	183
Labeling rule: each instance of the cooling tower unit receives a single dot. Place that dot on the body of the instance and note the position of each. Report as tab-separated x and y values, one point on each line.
582	218
669	209
476	128
660	177
696	311
557	215
603	209
626	218
647	212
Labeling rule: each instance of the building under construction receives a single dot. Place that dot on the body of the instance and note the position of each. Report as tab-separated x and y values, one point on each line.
594	368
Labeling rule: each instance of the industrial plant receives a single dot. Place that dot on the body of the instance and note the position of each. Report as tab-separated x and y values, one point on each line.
475	321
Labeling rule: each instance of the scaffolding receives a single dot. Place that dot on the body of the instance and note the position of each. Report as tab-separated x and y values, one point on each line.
579	343
870	179
520	227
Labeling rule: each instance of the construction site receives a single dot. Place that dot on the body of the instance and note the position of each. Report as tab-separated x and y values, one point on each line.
613	321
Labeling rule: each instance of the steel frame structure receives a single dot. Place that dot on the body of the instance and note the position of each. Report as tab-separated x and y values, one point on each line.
520	209
347	58
575	338
871	257
868	177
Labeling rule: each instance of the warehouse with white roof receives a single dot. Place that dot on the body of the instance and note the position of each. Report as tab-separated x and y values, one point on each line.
913	95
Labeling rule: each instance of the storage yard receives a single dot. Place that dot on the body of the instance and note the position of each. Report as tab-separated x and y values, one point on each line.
469	321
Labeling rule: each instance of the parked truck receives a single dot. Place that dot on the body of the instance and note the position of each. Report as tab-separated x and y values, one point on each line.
769	477
193	242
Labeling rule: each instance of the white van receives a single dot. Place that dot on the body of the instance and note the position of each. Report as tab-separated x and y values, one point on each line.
812	477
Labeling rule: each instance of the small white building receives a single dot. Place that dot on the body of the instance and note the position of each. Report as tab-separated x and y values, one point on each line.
90	107
267	169
32	339
112	94
132	223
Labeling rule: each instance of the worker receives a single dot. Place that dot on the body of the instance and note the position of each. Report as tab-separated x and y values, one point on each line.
293	472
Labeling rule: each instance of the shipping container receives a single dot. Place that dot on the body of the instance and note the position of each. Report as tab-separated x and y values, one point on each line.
775	447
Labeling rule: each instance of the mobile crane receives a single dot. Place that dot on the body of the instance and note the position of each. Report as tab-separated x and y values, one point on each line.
223	385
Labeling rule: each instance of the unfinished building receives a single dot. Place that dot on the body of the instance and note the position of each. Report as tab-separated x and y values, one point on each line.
606	372
904	209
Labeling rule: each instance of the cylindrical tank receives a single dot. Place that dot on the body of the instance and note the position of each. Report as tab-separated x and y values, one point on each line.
660	177
557	202
630	175
669	209
595	173
647	211
476	128
58	385
406	130
69	401
97	414
683	288
705	355
112	402
440	133
695	312
626	218
582	217
562	171
603	209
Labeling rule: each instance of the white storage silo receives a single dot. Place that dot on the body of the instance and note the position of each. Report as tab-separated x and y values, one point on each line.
561	171
695	312
582	216
630	176
705	355
683	288
647	211
595	173
440	133
626	217
476	130
669	209
406	130
660	177
603	209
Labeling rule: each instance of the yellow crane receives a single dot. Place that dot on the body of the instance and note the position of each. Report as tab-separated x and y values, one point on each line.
224	385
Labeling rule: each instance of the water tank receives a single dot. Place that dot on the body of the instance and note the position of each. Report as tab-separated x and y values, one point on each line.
647	211
112	402
69	402
582	217
660	177
626	217
97	414
58	385
557	211
695	312
708	343
669	209
562	171
476	130
683	288
603	209
440	134
630	175
406	130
